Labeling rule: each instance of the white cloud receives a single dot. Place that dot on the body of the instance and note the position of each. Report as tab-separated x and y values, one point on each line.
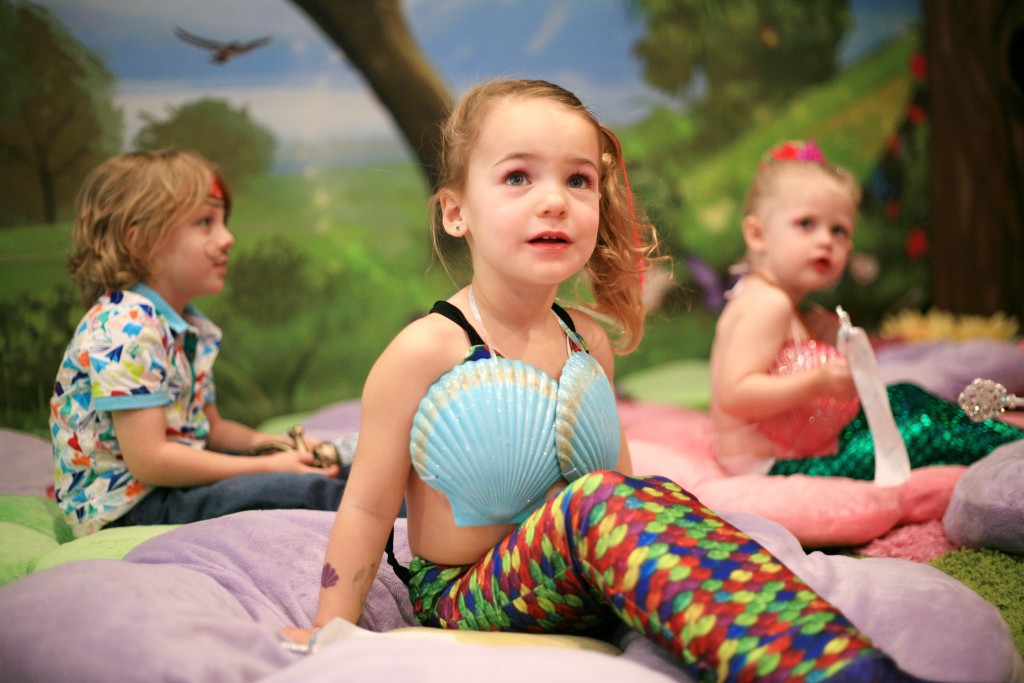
553	23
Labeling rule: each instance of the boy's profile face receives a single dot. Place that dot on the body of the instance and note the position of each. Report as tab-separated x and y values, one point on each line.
193	260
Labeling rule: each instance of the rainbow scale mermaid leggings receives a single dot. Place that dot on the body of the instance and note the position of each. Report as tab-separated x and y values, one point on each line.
936	432
644	551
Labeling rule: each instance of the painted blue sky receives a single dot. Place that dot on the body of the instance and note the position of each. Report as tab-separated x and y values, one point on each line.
304	90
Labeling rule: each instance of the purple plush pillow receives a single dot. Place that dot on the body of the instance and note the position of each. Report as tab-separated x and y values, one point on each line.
945	368
987	508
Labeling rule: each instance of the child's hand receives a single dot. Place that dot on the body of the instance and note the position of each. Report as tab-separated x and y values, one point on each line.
837	380
299	636
299	461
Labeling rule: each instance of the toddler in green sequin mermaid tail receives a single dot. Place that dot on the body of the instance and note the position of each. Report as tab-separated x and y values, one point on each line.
783	399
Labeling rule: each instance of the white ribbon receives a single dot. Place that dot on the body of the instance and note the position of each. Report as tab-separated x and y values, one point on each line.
892	464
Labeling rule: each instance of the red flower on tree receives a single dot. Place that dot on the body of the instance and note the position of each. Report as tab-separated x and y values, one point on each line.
918	67
893	209
917	244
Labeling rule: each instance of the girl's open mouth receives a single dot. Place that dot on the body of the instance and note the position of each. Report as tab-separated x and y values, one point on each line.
549	239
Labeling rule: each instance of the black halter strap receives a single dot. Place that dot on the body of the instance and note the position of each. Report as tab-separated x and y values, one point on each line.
401	572
453	313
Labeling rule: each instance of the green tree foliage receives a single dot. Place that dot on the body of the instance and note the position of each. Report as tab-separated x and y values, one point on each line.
57	117
295	332
34	330
226	136
862	121
735	60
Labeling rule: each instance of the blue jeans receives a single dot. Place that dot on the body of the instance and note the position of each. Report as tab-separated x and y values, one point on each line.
266	491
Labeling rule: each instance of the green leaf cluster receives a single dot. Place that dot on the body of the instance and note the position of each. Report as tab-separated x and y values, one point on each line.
226	135
733	61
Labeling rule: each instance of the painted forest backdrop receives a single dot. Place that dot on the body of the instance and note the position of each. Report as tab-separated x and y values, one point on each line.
323	115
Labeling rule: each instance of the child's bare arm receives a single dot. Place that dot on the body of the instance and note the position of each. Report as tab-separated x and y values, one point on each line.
376	484
761	395
229	436
749	337
157	461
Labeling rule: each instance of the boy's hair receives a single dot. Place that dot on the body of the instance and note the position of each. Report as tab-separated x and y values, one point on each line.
150	191
625	241
786	156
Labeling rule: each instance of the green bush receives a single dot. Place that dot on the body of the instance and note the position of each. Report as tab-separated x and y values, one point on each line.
34	331
297	334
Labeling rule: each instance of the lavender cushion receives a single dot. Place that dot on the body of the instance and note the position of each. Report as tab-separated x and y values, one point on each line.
945	368
26	461
986	509
205	601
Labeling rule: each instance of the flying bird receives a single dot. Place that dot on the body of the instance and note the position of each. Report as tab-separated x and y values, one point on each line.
222	52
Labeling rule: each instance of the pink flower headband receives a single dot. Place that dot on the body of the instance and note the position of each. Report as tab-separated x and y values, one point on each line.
794	150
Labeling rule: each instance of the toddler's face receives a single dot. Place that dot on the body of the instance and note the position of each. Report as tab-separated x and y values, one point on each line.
808	228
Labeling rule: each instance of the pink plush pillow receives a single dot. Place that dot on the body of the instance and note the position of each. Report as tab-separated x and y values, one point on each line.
820	511
926	495
689	469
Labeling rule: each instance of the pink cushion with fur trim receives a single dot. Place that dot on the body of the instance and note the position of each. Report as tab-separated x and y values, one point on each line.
819	511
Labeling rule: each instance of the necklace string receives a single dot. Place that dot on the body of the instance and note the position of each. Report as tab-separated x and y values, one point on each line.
486	335
483	329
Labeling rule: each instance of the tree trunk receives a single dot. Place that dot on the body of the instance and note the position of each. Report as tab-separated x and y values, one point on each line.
374	37
49	193
975	51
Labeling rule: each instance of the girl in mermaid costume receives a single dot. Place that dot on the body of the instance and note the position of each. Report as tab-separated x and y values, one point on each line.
783	400
496	421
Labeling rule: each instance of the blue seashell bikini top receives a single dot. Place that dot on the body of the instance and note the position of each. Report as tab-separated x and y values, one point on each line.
493	434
